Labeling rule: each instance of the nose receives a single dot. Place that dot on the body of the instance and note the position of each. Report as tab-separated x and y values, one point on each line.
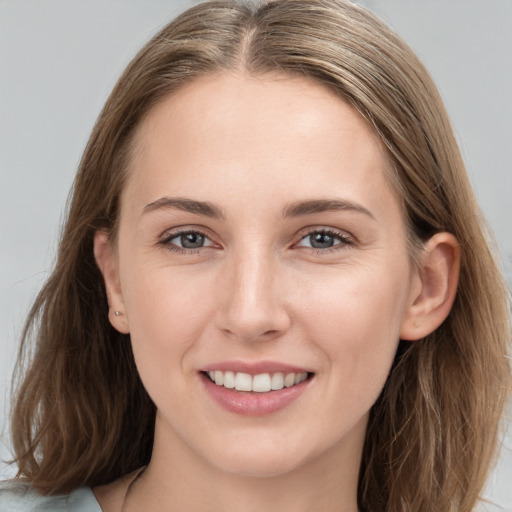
251	306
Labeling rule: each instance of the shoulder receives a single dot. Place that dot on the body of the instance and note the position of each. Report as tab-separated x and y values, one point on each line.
19	496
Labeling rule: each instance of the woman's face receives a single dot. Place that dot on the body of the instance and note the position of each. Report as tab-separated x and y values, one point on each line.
259	236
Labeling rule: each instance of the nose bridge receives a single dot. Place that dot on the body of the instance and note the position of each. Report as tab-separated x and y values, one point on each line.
253	306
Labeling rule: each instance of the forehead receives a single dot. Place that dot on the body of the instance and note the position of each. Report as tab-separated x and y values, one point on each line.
242	131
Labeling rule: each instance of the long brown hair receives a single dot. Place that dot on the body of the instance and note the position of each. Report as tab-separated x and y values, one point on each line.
81	415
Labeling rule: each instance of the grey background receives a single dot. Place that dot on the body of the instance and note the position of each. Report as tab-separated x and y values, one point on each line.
60	58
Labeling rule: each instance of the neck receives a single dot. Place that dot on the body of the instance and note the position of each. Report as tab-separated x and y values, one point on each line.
178	479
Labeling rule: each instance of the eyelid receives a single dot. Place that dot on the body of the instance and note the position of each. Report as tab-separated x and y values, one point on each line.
178	232
308	230
346	239
164	240
186	228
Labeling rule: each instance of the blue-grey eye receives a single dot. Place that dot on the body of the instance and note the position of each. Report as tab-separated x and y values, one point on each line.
321	240
187	240
192	240
324	240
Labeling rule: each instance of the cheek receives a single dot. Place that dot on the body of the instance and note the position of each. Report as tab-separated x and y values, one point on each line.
166	312
356	323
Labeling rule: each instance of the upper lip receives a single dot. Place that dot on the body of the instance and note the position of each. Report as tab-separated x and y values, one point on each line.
254	367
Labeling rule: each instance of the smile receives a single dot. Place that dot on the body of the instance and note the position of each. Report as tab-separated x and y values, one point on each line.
260	383
257	393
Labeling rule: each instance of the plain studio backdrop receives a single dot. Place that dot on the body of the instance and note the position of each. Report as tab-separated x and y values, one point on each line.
59	60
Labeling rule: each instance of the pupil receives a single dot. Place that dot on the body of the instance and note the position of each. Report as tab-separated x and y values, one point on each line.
192	240
321	241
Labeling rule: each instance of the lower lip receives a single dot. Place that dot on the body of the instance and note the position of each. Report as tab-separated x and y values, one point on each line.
253	403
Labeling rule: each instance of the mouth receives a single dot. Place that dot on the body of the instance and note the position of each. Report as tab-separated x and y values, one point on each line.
259	383
255	394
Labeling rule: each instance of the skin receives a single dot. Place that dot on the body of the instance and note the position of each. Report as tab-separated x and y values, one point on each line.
257	290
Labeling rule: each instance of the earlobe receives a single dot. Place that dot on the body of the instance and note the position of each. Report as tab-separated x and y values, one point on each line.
438	274
107	261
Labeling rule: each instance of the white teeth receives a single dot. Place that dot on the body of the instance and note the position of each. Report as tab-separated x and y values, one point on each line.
261	383
243	382
229	380
300	377
289	380
277	381
219	378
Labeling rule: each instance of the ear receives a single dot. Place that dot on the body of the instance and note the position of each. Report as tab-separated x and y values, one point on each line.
107	261
438	275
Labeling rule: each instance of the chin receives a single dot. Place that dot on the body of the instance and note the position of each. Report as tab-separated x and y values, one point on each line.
260	460
260	466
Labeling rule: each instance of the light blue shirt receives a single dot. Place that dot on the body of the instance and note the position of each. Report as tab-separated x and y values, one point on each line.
16	496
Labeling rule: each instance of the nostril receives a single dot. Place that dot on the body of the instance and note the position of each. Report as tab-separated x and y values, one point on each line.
251	332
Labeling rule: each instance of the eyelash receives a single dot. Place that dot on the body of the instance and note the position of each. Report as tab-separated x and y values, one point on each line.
344	241
165	242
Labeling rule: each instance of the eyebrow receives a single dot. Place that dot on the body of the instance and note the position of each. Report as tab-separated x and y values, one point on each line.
297	209
302	208
187	205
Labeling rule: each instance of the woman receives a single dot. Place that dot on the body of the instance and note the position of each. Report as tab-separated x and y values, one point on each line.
273	287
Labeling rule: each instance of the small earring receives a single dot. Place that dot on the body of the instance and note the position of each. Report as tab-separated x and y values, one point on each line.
117	313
